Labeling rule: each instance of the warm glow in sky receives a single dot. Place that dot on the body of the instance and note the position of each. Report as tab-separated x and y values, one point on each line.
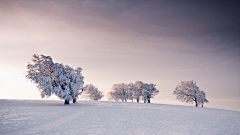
161	42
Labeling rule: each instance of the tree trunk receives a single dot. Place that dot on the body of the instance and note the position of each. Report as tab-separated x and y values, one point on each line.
196	103
149	100
125	100
66	102
74	100
144	101
202	105
138	100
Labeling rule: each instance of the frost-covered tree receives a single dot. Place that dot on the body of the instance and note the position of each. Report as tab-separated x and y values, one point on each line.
148	92
69	83
92	92
138	91
202	98
138	88
112	95
54	78
39	72
131	91
119	91
187	91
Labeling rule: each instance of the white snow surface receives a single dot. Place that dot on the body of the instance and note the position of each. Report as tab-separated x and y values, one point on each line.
109	117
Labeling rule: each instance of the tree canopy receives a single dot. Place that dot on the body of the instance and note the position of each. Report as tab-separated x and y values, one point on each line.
189	92
92	92
53	78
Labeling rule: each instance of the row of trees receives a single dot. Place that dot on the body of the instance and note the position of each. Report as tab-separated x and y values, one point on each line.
67	83
138	91
186	91
61	80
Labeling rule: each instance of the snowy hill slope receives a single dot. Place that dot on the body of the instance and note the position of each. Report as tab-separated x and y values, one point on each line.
106	117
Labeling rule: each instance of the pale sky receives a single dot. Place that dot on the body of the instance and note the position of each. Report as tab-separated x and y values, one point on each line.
160	42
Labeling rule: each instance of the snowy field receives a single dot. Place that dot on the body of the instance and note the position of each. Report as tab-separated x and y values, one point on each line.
106	117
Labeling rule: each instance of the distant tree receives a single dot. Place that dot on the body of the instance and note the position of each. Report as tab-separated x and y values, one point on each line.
149	92
138	90
92	92
54	78
113	95
130	91
119	91
202	98
187	91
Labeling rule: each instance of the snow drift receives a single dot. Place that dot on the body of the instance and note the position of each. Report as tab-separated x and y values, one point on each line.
106	117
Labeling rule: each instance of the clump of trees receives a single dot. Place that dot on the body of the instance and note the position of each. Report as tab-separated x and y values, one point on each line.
91	92
138	91
55	79
189	92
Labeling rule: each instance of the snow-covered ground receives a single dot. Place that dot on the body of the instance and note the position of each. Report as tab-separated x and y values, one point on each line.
105	117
